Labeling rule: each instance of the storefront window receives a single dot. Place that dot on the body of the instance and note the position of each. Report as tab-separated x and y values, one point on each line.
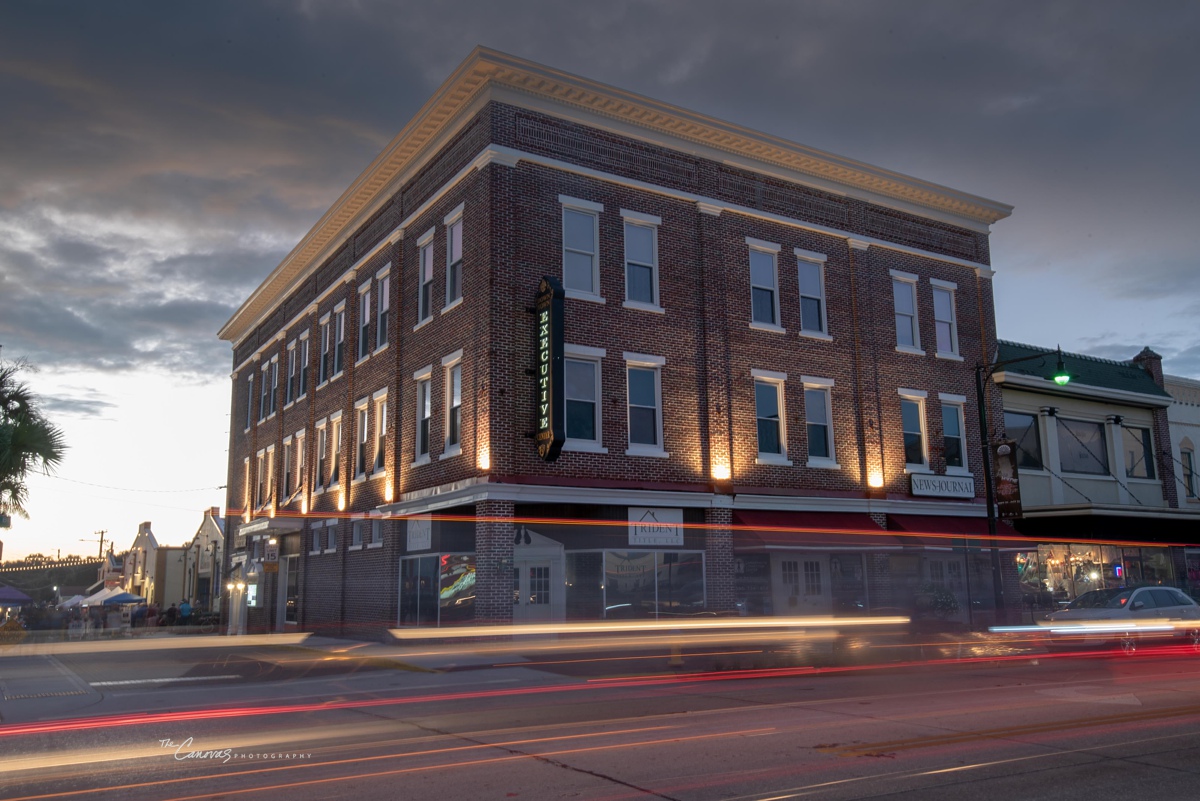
418	594
456	588
585	586
648	584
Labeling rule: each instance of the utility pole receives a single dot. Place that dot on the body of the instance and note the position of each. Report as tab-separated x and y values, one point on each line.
101	541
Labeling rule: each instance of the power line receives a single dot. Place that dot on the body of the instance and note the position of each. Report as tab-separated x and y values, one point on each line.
128	489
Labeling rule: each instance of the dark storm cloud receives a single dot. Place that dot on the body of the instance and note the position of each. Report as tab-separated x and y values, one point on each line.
83	403
156	162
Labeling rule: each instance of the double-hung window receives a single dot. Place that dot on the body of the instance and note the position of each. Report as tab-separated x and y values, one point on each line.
289	387
335	449
288	476
452	367
376	532
300	460
274	383
580	238
811	269
945	322
953	432
581	394
644	378
818	418
641	259
764	284
302	373
364	321
339	342
769	418
356	533
325	368
425	268
1139	453
380	432
250	400
454	256
264	398
322	456
912	420
424	413
362	437
260	484
904	300
383	281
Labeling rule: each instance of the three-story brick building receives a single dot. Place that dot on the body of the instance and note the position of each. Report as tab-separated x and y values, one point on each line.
763	389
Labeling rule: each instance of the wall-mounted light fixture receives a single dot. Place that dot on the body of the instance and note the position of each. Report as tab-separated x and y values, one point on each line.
721	472
875	479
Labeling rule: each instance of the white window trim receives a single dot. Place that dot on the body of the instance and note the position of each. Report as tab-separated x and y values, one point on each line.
779	380
301	463
293	356
773	250
593	209
450	219
917	396
912	280
448	364
424	374
825	385
365	289
325	545
302	341
820	260
424	241
958	402
321	426
596	357
378	400
382	312
653	223
338	310
655	363
335	447
947	286
361	405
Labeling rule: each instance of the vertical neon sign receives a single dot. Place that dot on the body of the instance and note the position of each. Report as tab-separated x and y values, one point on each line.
548	374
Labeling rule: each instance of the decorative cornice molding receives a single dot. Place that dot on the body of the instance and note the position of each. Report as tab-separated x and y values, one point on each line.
858	244
711	209
485	68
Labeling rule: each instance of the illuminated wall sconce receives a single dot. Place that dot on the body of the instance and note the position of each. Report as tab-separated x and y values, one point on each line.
271	512
229	586
272	541
721	472
387	490
241	586
304	506
875	479
485	459
341	501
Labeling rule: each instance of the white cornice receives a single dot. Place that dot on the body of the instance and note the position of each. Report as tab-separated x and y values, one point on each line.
1108	510
1074	390
486	73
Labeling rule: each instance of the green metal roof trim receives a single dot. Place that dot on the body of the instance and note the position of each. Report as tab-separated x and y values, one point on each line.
1087	370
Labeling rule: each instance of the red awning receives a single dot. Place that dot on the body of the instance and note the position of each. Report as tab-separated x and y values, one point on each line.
936	531
755	529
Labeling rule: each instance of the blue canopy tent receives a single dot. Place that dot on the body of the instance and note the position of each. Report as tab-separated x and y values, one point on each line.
123	598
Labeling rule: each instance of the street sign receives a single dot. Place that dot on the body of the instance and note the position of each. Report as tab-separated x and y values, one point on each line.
271	558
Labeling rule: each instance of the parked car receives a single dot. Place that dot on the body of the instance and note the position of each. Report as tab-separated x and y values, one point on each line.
1125	615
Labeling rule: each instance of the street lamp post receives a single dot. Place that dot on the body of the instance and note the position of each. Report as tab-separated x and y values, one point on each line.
983	373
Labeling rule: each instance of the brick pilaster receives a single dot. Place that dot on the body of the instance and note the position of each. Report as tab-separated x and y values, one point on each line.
494	532
718	558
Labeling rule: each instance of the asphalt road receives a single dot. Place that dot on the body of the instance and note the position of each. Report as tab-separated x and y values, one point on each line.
1054	728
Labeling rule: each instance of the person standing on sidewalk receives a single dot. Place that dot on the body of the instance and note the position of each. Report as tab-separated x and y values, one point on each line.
185	612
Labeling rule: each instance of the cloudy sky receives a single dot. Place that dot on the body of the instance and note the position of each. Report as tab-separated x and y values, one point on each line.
157	161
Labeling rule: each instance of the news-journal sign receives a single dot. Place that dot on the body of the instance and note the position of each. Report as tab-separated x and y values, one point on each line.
943	486
655	526
548	373
1008	485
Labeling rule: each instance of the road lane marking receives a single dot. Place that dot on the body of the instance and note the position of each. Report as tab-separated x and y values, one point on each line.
954	738
160	681
1082	694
